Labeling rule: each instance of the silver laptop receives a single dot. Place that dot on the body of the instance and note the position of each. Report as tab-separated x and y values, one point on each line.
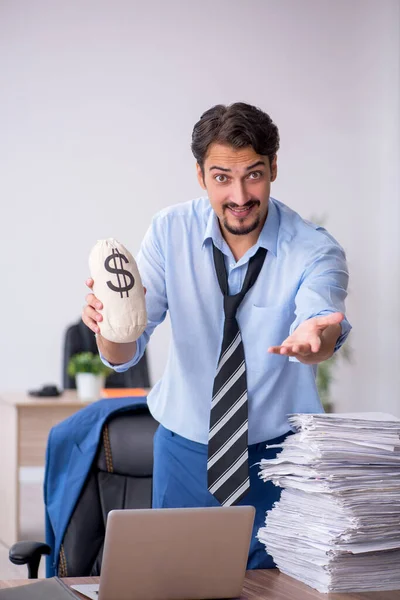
174	554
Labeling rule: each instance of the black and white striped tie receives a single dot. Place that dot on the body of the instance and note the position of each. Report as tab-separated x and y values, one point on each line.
227	464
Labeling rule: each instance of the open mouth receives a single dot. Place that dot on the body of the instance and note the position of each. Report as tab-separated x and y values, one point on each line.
241	212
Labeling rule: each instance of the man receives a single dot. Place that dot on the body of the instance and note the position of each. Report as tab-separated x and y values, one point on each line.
256	300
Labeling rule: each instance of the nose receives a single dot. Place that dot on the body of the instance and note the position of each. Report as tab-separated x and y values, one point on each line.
239	194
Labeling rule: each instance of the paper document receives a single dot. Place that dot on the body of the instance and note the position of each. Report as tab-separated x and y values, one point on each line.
336	526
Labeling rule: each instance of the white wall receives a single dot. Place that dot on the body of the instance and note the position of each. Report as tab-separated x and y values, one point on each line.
97	103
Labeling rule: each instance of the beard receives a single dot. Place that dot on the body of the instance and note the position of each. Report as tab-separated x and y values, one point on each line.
242	228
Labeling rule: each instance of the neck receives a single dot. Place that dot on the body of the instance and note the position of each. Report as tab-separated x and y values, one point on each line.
239	244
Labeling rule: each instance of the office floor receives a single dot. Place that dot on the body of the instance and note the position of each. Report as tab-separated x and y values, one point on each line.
32	528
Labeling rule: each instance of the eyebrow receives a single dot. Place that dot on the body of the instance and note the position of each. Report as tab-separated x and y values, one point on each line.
256	164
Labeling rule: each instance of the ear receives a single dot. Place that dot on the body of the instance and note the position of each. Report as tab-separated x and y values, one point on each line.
200	177
274	168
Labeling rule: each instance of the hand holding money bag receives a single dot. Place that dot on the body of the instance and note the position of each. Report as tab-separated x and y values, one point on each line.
118	286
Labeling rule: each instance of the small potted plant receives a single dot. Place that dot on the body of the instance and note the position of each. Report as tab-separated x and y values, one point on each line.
90	374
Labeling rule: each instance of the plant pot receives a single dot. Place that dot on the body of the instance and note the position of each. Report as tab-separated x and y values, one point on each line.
89	386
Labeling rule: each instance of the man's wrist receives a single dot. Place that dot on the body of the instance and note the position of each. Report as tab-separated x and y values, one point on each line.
116	354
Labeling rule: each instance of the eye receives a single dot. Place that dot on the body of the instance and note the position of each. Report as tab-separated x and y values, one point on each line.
255	175
221	178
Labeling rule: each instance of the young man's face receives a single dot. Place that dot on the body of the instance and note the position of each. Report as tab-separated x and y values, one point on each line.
238	184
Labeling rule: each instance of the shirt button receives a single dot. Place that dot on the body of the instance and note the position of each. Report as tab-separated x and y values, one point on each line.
232	265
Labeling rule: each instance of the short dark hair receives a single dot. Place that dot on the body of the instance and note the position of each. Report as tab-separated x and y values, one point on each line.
239	125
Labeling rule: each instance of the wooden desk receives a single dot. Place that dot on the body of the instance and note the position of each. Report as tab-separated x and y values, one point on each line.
25	422
258	585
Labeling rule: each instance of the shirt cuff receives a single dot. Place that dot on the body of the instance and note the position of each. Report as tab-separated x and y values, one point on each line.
346	328
124	366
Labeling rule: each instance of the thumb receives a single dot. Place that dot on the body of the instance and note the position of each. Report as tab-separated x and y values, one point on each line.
331	319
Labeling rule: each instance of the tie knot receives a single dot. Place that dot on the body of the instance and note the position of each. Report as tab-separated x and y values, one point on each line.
231	303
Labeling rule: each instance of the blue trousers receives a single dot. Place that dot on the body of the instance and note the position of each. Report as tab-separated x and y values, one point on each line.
180	480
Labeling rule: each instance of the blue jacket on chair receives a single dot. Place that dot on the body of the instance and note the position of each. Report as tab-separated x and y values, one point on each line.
71	449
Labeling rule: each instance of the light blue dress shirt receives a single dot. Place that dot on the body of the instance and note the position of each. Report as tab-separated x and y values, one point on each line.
304	275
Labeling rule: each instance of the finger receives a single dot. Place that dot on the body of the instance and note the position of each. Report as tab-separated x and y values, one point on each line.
303	349
274	349
283	350
277	349
331	319
92	314
91	323
89	282
288	351
297	349
93	301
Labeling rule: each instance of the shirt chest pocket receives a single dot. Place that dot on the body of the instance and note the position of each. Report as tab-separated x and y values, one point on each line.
262	327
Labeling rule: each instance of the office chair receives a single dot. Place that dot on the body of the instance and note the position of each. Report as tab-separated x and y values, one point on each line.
120	477
79	338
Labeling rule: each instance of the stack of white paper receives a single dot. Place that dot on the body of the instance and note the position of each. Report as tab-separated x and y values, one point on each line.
337	524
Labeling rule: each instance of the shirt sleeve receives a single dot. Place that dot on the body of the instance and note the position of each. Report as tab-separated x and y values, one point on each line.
323	289
151	265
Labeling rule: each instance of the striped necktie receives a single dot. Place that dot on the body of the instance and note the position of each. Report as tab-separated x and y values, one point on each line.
227	464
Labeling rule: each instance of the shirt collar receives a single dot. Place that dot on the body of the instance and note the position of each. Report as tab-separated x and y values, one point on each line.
268	237
213	231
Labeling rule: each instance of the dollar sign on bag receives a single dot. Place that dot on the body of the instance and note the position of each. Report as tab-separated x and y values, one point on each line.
125	285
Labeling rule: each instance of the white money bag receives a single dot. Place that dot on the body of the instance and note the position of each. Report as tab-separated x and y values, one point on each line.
118	286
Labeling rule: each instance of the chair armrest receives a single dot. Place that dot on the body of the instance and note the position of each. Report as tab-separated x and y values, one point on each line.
29	553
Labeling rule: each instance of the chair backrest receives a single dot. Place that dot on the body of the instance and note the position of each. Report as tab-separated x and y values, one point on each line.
79	338
121	477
